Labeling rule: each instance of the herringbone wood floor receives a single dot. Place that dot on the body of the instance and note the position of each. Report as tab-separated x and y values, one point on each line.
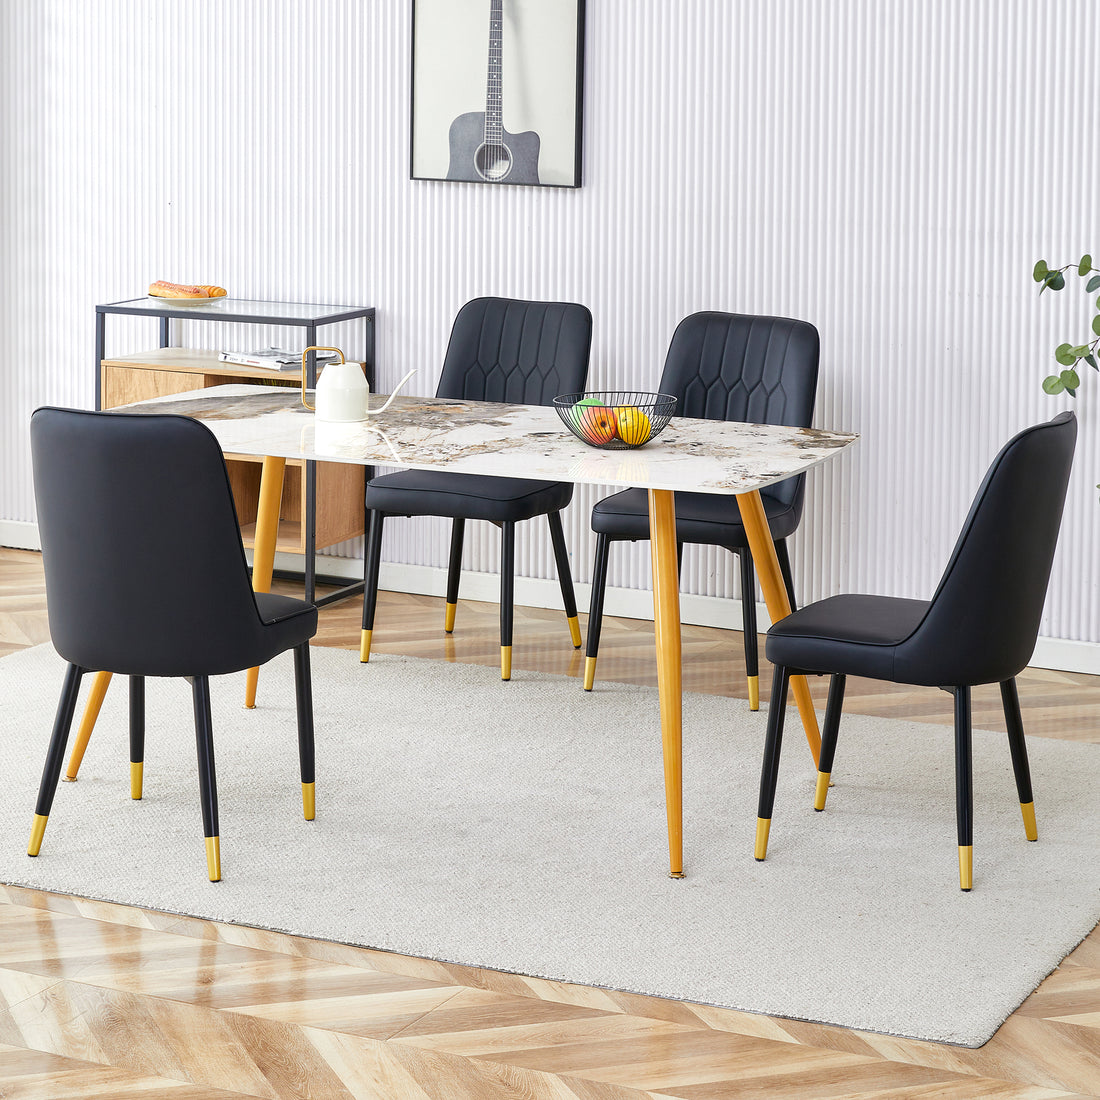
101	1001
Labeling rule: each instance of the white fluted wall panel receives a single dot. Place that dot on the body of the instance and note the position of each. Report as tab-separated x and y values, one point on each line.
889	171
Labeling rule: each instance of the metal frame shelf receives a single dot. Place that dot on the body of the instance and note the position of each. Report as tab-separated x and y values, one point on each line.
308	317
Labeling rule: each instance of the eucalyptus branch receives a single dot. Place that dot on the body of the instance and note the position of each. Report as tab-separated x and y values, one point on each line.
1069	355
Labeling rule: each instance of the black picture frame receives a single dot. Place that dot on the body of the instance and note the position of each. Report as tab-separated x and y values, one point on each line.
497	92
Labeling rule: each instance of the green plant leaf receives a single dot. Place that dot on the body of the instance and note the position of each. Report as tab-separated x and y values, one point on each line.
1091	360
1039	271
1063	353
1080	351
1096	324
1092	285
1052	384
1071	380
1056	280
1085	266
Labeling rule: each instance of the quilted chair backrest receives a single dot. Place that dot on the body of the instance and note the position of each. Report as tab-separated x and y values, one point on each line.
757	370
524	353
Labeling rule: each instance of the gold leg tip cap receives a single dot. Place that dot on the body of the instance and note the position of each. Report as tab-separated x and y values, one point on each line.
966	867
589	672
214	858
38	829
68	779
763	828
676	874
1031	831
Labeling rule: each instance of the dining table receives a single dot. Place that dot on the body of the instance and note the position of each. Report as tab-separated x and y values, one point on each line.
530	441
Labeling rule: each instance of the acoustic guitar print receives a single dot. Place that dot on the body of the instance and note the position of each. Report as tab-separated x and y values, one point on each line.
481	149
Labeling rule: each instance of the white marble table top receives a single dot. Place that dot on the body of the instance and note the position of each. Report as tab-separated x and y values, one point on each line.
711	456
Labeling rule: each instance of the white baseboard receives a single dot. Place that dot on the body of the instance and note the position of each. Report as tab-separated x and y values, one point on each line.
628	603
19	535
1063	655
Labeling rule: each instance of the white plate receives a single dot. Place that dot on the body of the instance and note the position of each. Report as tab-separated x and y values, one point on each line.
186	301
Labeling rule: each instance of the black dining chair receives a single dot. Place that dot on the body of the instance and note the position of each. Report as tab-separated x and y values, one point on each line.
979	627
146	576
500	350
722	366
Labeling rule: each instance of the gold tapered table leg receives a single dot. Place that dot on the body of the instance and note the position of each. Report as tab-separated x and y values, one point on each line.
263	549
666	627
776	600
87	724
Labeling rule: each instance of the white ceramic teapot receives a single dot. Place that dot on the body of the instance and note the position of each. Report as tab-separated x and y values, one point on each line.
342	391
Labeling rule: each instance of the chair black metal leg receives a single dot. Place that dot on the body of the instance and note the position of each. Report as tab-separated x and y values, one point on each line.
303	697
454	573
785	569
1010	700
964	787
828	739
507	587
748	625
137	734
372	560
565	576
769	771
595	608
55	755
208	786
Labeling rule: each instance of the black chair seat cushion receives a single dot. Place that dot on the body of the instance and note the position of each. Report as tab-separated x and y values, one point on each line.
287	622
465	496
707	518
857	635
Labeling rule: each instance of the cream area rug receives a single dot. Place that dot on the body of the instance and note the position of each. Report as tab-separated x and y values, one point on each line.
520	826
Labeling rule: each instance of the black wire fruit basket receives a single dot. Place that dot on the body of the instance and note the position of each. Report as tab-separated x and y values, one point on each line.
615	420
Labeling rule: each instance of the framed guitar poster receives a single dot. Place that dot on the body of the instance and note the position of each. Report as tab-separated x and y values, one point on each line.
496	91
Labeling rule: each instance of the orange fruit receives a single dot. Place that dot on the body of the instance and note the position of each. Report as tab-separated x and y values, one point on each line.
634	425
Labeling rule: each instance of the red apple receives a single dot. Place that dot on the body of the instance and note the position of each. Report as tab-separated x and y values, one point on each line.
597	423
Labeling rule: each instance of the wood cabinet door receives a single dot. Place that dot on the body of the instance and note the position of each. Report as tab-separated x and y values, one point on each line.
122	385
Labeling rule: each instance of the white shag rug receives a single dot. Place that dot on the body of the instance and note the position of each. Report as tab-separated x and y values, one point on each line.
520	826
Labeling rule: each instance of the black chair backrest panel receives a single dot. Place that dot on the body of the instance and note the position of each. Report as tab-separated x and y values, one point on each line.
729	366
145	571
738	367
984	618
524	353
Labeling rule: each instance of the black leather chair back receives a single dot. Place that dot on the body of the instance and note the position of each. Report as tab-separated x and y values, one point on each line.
145	572
758	370
527	353
983	620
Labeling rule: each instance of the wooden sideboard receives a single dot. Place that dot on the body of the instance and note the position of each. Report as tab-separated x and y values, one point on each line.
163	371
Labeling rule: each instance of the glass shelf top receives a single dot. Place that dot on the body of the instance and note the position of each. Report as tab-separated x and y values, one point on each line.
239	309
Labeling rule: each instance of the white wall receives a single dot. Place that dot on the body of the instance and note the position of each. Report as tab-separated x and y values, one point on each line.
887	170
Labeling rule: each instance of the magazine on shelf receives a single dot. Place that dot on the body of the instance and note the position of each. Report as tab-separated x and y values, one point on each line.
271	358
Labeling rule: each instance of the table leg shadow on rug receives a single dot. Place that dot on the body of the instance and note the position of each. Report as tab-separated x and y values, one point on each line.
521	827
